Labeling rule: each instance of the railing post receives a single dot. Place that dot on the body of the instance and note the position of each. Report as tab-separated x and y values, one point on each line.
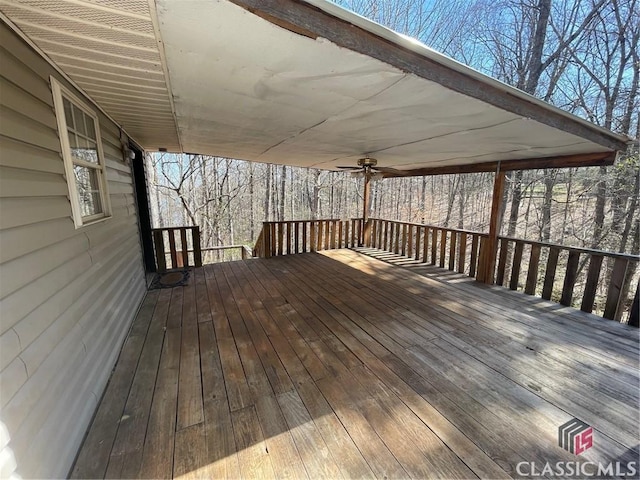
197	250
266	239
158	240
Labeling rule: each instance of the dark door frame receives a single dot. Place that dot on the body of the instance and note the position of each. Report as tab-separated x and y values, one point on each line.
142	204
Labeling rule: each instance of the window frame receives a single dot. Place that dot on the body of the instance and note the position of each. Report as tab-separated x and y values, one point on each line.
59	93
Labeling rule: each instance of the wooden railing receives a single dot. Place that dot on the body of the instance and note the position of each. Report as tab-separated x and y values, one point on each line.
286	238
592	280
460	251
184	250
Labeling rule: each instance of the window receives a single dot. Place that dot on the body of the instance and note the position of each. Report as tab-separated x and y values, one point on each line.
83	157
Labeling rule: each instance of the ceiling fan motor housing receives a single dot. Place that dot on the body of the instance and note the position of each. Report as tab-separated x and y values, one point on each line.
367	162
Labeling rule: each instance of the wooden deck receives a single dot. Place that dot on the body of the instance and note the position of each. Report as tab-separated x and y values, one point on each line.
340	365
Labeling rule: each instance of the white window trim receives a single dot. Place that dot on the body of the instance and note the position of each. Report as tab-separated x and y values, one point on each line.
59	91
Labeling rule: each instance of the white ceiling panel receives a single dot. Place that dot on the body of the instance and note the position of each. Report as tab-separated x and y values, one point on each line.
210	77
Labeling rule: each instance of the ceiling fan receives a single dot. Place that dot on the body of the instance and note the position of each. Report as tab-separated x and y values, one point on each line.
368	166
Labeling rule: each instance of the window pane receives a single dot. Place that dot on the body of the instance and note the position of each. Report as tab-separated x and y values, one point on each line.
83	149
67	113
90	127
88	190
79	118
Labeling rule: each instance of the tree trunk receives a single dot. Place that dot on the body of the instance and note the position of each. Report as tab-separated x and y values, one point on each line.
315	199
252	220
599	214
423	199
267	193
283	188
549	183
516	198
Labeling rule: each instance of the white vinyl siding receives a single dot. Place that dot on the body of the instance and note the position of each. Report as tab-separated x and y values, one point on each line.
67	295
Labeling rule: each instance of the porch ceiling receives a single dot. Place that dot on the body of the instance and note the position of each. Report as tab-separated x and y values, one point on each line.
212	77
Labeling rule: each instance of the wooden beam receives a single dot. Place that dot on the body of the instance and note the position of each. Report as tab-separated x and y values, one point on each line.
366	200
491	252
567	161
314	22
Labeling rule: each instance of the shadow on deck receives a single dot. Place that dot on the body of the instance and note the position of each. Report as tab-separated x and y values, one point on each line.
342	365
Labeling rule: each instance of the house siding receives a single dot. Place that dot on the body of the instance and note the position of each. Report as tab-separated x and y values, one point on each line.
67	296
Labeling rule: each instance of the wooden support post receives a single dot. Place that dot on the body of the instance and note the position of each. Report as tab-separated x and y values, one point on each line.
489	260
634	313
366	198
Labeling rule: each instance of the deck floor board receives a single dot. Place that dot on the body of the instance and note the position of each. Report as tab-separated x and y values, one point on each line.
342	365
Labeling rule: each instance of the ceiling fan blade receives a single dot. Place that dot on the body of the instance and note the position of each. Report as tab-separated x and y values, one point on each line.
392	171
349	168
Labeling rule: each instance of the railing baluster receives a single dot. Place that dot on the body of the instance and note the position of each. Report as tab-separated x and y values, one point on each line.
482	253
184	249
280	227
589	296
452	251
305	237
462	255
570	278
434	247
326	234
550	273
425	245
532	271
313	237
395	238
502	262
443	247
410	241
616	281
287	233
517	263
403	246
418	249
372	233
385	244
346	234
473	262
172	248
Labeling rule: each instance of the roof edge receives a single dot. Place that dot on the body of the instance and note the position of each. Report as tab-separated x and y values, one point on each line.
598	159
